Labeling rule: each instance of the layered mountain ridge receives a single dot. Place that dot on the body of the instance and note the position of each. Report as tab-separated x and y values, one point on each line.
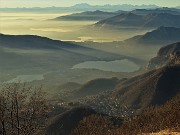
151	20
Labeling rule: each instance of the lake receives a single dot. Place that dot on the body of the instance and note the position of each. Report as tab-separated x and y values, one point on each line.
26	78
124	65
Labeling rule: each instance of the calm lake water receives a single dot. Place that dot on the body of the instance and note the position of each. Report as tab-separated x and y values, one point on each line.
124	65
26	78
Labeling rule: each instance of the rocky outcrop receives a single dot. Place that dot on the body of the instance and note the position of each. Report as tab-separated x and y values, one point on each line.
169	54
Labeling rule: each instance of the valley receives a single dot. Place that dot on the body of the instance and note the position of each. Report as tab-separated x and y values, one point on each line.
89	69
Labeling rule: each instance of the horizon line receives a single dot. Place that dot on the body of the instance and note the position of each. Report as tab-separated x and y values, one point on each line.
93	5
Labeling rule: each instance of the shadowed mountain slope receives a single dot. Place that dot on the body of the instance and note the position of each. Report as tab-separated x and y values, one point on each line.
153	88
156	86
158	10
124	19
88	15
96	86
67	121
159	36
151	20
32	41
37	42
162	19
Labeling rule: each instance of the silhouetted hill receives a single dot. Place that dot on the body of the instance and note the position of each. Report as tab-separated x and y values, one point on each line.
150	20
87	16
69	86
169	54
162	19
38	42
33	41
64	123
152	88
158	10
96	86
159	36
124	19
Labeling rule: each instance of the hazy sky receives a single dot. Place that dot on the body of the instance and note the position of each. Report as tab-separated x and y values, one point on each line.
62	3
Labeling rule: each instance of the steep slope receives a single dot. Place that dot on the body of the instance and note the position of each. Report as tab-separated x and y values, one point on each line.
151	20
169	54
124	19
156	86
162	19
64	123
86	16
158	10
159	36
153	119
153	88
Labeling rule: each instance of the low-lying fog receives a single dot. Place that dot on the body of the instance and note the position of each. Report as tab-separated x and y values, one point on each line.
41	24
51	68
124	65
26	78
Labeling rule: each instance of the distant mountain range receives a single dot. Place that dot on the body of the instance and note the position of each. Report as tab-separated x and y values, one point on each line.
88	15
161	35
80	7
100	15
125	7
133	20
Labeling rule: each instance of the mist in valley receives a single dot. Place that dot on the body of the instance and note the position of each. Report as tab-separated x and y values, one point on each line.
117	63
53	68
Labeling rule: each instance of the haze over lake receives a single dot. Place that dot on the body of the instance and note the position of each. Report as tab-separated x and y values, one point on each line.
26	78
83	67
124	65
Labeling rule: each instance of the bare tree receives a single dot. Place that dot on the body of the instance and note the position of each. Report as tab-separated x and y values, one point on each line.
23	109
